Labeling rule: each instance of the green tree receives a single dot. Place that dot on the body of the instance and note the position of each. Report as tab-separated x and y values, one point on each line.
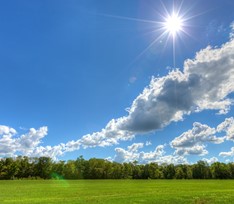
44	167
201	170
154	171
70	171
25	167
58	169
127	170
231	168
80	166
220	171
169	171
179	173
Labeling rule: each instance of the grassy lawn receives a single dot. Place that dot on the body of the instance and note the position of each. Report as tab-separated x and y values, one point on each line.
117	191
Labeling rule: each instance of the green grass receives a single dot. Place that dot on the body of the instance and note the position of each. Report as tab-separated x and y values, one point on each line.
117	191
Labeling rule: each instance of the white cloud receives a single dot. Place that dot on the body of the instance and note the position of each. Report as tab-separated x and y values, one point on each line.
158	155
171	159
110	135
194	150
129	155
48	151
135	147
192	141
152	155
227	154
25	144
8	144
32	139
5	130
205	83
109	159
198	134
211	160
28	144
228	127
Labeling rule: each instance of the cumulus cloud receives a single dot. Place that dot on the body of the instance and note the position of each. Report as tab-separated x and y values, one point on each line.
228	127
48	151
135	147
110	135
227	154
11	143
194	150
5	130
192	141
8	144
152	155
205	83
28	142
132	153
198	134
211	160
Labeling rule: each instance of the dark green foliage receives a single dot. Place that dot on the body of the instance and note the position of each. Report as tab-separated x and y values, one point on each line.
169	171
45	168
201	170
221	171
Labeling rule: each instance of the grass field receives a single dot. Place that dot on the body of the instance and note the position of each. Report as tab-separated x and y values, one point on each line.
117	191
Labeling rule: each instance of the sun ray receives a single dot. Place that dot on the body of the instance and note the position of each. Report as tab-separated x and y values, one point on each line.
173	25
149	46
130	18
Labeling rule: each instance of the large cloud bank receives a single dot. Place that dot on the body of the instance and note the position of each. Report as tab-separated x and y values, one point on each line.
191	142
205	83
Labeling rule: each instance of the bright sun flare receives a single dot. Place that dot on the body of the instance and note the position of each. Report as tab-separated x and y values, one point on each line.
173	24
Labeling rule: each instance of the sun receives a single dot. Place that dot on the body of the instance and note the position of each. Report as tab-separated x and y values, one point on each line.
173	24
168	26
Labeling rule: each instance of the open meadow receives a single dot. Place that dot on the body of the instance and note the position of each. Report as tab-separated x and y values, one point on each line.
117	191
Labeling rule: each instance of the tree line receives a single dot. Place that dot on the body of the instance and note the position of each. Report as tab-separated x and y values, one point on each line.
45	168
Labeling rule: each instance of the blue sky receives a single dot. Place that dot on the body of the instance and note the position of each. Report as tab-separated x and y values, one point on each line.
89	78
